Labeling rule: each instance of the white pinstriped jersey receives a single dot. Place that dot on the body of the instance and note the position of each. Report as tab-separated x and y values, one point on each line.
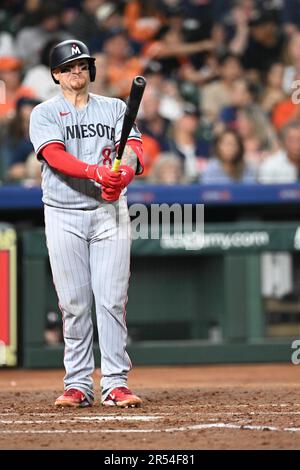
90	134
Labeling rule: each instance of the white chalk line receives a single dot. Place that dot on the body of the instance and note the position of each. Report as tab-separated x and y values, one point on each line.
82	418
144	418
246	405
141	418
195	427
240	413
112	416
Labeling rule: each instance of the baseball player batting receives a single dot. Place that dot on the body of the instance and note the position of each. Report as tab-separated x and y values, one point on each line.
76	136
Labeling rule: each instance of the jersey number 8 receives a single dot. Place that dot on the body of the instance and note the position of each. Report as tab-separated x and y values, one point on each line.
106	152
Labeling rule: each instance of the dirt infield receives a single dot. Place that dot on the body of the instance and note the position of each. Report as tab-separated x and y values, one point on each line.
204	407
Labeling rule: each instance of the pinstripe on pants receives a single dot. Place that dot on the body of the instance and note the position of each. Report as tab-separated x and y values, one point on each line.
89	253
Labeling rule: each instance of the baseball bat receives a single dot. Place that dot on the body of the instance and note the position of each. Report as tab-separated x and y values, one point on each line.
133	104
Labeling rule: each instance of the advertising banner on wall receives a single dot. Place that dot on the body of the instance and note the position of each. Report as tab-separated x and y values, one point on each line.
8	296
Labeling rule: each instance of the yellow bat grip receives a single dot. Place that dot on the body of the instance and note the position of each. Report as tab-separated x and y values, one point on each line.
116	165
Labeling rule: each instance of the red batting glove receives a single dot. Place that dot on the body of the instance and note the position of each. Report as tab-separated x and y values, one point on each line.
110	194
105	176
127	175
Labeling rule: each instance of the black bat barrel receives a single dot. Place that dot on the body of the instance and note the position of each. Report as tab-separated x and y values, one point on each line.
133	104
135	96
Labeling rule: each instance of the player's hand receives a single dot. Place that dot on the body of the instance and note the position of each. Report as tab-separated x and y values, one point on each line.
110	194
127	175
105	176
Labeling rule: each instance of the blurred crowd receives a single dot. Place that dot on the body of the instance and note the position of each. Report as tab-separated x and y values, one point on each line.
223	82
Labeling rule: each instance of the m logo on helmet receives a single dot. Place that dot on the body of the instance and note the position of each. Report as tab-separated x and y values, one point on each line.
75	49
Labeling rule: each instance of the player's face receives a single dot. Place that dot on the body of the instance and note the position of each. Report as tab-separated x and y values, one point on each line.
74	75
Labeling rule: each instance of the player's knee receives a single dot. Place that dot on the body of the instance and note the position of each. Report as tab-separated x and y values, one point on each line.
76	302
75	311
108	308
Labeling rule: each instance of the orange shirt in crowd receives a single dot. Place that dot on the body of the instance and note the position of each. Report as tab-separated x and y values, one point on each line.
121	77
284	112
7	109
151	150
140	28
9	99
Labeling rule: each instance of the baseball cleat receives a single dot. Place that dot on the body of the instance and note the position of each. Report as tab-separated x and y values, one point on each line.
123	397
72	398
